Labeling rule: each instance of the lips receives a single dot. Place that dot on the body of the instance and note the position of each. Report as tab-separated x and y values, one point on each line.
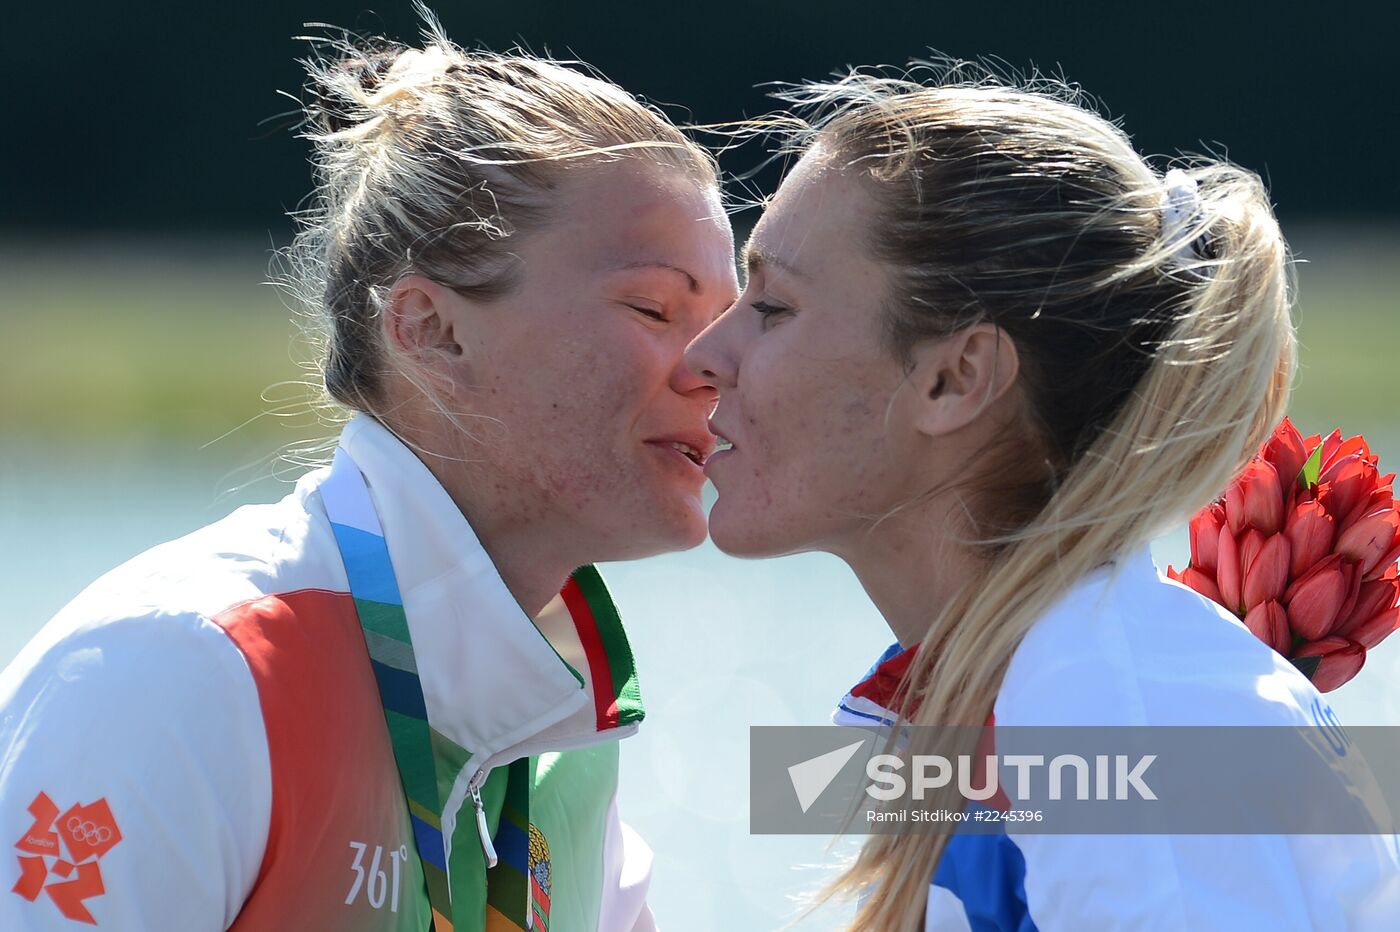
724	448
720	438
695	446
695	455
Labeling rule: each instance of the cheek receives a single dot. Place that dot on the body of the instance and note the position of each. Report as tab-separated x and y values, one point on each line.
585	359
595	392
812	410
822	447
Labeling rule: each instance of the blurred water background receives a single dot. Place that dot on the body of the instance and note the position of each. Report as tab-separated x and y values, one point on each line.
153	393
149	382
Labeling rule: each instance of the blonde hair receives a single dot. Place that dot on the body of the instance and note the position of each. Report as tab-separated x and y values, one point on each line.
1147	380
431	160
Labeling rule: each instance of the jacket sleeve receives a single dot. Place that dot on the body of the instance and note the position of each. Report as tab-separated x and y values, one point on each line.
135	789
626	878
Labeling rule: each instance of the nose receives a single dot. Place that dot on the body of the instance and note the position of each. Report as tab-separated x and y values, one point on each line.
708	357
684	381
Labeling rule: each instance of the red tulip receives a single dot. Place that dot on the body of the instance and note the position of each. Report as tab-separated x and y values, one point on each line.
1333	561
1266	573
1374	596
1346	487
1315	601
1197	580
1269	623
1250	543
1330	445
1205	537
1381	496
1352	572
1368	540
1285	450
1227	573
1375	614
1340	661
1352	446
1255	499
1386	562
1366	508
1310	536
1376	628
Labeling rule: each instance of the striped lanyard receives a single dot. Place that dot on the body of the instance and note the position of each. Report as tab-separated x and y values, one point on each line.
427	761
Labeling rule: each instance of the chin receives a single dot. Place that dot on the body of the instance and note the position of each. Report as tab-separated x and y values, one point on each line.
674	527
746	536
746	547
693	535
687	530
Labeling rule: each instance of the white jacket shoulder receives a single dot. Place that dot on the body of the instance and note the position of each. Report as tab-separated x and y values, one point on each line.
135	770
1126	646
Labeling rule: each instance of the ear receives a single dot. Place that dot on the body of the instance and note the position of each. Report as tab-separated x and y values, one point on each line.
422	320
958	378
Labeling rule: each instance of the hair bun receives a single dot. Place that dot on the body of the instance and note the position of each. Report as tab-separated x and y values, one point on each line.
338	91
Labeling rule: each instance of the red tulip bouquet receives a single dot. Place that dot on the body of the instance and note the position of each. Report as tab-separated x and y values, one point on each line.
1303	548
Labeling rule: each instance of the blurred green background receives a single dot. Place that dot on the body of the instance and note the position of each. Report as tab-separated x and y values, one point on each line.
165	341
150	381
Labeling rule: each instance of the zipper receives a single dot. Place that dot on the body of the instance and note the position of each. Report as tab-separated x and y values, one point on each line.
482	829
525	749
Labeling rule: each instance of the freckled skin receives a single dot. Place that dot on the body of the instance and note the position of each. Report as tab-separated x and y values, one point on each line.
564	382
804	394
840	444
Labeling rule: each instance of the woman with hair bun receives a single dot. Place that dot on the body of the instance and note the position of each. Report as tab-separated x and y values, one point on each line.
507	257
984	355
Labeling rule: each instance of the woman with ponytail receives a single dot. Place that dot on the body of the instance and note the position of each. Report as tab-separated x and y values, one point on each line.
985	354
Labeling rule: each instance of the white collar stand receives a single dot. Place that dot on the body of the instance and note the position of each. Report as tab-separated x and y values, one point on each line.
492	680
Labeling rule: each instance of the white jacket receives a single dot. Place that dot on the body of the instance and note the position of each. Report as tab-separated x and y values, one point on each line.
1126	646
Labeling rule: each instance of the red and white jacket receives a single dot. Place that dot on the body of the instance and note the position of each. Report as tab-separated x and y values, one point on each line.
194	742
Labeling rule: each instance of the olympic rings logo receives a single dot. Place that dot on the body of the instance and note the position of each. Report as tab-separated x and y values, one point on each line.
91	834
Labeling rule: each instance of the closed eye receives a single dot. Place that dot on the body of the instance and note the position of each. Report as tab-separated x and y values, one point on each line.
769	312
649	312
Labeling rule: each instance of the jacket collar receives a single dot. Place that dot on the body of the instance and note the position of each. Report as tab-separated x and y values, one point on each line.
495	682
869	704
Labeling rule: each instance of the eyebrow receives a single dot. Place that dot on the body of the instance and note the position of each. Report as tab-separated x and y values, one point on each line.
756	259
664	266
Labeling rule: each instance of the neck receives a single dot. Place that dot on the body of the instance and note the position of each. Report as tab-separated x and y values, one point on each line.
533	569
532	553
910	568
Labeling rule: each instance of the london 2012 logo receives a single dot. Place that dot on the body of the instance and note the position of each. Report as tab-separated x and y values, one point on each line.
61	854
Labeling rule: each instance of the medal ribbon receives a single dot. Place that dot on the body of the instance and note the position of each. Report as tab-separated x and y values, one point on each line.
428	762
